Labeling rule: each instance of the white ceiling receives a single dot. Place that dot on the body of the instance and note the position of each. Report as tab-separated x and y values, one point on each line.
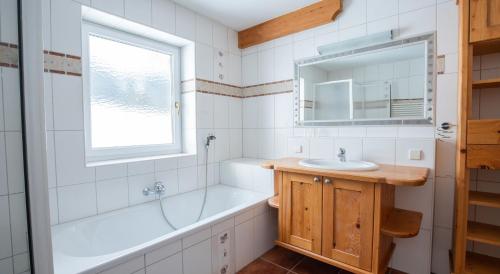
241	14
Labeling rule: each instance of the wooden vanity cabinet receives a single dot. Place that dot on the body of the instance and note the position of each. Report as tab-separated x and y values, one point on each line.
302	196
329	217
348	222
484	20
346	219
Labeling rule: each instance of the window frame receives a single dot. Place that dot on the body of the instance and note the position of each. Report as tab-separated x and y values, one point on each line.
93	155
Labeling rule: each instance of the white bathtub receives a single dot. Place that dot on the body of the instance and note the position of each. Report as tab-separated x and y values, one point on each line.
91	244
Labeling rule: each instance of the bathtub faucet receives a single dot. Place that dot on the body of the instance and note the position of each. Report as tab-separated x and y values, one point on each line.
158	188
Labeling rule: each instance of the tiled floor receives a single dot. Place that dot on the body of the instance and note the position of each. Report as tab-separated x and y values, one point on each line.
283	261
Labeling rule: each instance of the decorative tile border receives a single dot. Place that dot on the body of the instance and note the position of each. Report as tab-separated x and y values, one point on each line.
205	86
60	63
272	88
9	55
210	87
306	104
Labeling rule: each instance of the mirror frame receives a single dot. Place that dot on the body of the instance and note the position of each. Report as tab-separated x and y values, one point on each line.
429	95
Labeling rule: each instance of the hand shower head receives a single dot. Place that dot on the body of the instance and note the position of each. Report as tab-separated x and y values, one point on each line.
210	138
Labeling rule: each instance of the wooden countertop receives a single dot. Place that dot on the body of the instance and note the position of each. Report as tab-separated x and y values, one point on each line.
386	174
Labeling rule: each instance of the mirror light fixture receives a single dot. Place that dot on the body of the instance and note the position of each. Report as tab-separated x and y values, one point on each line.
355	43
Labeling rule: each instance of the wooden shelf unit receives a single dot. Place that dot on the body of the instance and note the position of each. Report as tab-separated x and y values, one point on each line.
483	233
483	132
480	264
483	156
402	223
484	199
486	47
488	83
478	141
274	201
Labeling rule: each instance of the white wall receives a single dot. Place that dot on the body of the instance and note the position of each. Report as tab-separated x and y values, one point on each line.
14	256
268	130
77	191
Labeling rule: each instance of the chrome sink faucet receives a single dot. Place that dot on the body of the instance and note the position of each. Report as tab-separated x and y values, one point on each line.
341	155
158	188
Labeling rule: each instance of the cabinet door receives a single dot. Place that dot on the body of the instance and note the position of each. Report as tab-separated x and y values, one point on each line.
348	222
302	211
484	20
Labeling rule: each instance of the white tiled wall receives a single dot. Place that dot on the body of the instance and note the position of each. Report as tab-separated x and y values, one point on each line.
80	191
14	256
277	137
247	174
77	191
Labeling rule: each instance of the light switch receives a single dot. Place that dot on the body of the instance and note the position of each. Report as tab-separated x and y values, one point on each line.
440	64
415	154
298	149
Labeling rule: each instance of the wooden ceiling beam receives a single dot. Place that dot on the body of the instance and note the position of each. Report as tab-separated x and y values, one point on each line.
314	15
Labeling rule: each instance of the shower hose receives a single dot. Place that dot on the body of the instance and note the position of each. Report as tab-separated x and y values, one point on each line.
204	195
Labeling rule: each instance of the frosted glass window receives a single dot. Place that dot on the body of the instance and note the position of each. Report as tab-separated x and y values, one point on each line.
131	86
130	98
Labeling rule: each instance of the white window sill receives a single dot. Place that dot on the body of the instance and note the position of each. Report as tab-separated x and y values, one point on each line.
138	159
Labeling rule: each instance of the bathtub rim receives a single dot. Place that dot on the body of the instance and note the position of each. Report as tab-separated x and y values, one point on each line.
123	256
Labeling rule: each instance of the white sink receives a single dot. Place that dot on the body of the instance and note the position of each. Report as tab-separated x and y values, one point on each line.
336	165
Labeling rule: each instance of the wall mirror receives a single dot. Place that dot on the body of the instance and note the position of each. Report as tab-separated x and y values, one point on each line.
384	83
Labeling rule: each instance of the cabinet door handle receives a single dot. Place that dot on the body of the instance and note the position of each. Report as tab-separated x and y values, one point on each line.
328	181
316	179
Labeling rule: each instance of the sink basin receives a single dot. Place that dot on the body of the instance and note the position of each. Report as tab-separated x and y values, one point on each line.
335	165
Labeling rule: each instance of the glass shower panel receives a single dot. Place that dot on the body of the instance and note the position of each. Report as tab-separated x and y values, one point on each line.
333	100
14	249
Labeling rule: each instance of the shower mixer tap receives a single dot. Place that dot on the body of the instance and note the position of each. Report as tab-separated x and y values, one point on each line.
158	188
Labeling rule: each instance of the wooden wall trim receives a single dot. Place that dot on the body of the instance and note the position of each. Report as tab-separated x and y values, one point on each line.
308	17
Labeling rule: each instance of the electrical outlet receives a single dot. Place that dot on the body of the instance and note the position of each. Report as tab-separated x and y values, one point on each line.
298	149
415	154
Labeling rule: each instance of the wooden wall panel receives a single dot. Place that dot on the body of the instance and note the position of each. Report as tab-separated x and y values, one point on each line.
308	17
